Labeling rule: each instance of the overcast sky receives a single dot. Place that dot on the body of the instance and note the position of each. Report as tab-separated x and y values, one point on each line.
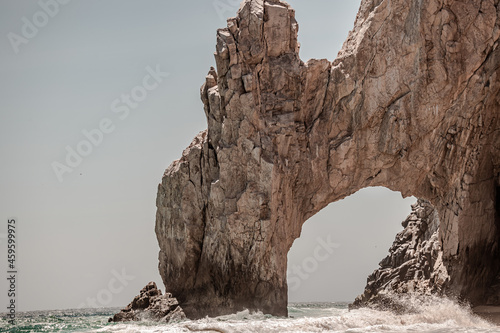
86	226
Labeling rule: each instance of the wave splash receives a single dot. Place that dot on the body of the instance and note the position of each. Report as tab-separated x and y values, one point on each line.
428	314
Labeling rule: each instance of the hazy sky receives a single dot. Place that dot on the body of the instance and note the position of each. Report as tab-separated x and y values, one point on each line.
86	237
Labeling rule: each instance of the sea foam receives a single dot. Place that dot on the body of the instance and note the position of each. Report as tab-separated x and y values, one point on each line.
429	314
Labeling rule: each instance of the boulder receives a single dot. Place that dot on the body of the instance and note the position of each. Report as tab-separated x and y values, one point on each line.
150	304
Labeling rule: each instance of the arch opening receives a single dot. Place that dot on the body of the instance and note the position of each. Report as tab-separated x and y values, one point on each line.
325	40
341	246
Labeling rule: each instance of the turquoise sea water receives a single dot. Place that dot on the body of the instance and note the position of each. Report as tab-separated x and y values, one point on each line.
436	316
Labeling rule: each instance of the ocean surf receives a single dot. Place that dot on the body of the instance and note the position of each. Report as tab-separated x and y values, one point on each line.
436	315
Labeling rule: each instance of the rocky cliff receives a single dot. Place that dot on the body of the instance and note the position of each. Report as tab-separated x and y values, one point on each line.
414	264
411	103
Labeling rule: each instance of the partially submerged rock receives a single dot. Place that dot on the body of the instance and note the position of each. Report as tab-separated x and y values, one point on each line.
414	263
150	304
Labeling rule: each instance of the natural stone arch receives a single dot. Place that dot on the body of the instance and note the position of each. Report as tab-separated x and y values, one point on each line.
411	103
342	244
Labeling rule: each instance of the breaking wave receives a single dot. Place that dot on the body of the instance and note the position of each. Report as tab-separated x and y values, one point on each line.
427	315
430	314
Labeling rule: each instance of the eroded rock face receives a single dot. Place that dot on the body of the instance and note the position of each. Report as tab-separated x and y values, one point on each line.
415	261
150	304
411	103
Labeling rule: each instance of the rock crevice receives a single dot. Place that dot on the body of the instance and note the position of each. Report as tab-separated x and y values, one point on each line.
410	103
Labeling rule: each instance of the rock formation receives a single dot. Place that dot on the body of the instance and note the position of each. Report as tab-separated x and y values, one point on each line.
415	260
411	103
150	304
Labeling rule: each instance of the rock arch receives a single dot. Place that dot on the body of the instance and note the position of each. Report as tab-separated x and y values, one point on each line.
411	103
341	245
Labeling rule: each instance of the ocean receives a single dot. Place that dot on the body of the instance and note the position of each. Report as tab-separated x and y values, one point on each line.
436	315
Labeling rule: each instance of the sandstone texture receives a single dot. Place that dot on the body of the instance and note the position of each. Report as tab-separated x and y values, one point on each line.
410	103
415	261
150	304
